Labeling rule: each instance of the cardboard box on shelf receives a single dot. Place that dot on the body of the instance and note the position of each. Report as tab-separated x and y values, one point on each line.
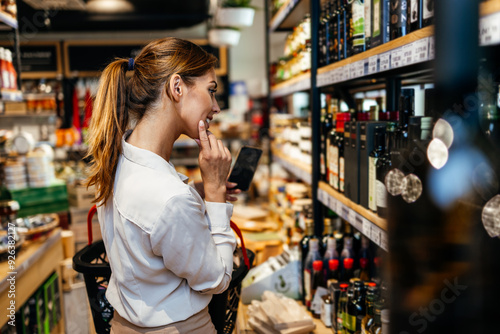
80	196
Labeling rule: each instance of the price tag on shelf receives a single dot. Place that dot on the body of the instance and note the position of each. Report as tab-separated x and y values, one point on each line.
421	52
408	54
321	196
397	58
347	72
375	235
384	241
344	212
432	51
352	71
334	76
367	228
372	64
352	217
360	68
385	61
358	222
489	29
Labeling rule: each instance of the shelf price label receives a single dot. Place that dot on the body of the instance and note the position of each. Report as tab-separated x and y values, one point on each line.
489	29
384	242
357	221
385	61
432	51
352	71
372	64
360	68
408	50
344	212
338	74
375	235
421	52
397	57
347	72
367	228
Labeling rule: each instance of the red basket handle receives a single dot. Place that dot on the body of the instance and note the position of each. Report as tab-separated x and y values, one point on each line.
235	227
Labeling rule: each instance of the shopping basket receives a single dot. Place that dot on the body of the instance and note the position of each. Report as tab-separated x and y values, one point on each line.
92	262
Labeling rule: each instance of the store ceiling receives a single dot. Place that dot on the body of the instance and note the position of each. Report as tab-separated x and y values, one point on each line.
109	15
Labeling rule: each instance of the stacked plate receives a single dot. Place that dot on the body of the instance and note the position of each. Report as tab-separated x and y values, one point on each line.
15	175
40	169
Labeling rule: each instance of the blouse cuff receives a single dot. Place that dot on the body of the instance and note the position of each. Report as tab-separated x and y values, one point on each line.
220	215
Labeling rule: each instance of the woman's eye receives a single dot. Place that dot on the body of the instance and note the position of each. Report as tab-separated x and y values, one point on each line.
212	91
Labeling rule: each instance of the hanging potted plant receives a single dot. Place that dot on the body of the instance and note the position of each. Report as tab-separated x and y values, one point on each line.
235	13
224	36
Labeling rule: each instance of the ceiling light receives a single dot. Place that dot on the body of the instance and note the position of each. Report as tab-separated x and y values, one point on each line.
110	6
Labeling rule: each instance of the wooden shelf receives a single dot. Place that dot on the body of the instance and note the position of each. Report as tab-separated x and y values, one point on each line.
301	170
34	263
296	84
8	20
289	15
364	220
489	7
413	48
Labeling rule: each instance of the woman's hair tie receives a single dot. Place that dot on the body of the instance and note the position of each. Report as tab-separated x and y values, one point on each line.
131	64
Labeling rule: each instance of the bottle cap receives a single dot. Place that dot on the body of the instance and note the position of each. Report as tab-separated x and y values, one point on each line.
333	264
318	265
348	262
363	262
344	285
372	284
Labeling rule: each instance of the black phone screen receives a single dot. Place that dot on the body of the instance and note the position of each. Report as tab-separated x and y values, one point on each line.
245	166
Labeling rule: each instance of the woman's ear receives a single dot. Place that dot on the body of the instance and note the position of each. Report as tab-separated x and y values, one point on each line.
175	87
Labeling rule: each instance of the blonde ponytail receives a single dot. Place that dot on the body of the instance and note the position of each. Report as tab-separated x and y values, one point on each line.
109	123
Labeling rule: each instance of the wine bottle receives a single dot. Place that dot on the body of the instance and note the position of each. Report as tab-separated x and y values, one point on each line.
322	40
341	309
358	26
381	23
348	28
368	24
304	248
414	15
383	166
427	12
356	308
398	18
312	256
372	167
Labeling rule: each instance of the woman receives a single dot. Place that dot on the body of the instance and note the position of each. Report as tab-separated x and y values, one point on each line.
169	250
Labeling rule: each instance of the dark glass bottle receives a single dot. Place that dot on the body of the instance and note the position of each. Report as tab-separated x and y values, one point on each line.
372	167
398	27
336	149
371	297
322	41
333	270
318	280
325	131
490	117
347	269
383	166
327	234
304	248
414	15
334	31
358	26
342	145
341	308
427	12
348	28
322	156
356	308
368	24
341	29
312	256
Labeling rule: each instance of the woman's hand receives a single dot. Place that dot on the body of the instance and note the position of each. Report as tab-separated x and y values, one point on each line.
230	191
215	162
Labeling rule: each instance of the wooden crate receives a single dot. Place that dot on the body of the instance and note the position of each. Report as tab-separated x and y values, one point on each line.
80	197
79	226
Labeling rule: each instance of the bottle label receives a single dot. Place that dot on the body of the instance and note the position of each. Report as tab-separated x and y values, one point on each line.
428	10
372	178
307	287
326	314
341	174
413	11
368	19
350	322
398	13
376	18
334	167
381	195
358	22
322	163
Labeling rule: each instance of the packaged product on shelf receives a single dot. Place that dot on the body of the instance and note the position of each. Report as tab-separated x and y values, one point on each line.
381	22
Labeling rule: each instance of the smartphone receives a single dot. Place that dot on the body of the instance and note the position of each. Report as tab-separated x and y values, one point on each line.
245	166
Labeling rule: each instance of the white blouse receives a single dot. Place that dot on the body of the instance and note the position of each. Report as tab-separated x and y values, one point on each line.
169	251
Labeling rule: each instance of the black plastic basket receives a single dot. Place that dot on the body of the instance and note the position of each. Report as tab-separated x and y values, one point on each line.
92	262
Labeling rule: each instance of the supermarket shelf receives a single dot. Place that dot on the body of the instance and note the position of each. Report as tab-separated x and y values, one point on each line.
489	23
8	20
295	84
11	95
299	169
368	223
289	15
413	48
